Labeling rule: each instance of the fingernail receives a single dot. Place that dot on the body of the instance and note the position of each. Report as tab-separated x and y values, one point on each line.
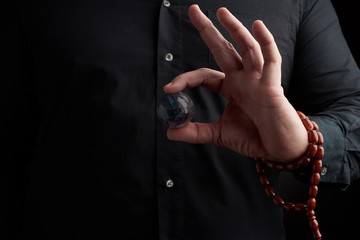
196	5
167	86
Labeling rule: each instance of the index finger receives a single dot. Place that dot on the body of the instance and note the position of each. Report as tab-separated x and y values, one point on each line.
224	52
208	78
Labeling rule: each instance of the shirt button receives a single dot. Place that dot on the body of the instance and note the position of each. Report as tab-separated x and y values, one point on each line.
323	171
169	57
166	3
169	183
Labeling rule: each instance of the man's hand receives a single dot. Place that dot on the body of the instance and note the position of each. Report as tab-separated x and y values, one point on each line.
258	120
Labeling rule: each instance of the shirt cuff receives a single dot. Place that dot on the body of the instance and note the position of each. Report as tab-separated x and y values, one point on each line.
336	167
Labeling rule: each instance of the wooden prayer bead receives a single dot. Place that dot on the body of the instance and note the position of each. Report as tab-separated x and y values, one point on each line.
275	165
264	180
270	164
313	191
311	203
321	138
316	127
317	165
315	178
300	207
313	136
320	152
310	214
279	167
278	201
301	115
311	218
291	166
308	124
314	224
304	160
289	206
270	192
311	150
317	234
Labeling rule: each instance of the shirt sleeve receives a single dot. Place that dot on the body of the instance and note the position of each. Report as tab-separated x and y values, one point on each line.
16	120
326	87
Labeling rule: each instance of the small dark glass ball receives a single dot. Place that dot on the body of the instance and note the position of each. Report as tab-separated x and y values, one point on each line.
175	110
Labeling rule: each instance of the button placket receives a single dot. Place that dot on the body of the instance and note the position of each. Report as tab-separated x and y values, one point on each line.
169	173
169	57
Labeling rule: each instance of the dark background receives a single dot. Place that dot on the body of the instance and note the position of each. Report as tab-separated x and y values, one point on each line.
337	211
347	12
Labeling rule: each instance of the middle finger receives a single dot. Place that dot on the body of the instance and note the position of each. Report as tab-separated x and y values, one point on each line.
250	49
224	53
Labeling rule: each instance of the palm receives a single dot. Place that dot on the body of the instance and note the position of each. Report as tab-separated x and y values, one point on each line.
238	132
258	120
242	125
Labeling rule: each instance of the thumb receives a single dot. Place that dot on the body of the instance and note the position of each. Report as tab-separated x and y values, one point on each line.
195	133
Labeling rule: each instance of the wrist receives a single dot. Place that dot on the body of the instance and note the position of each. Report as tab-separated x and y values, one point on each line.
313	148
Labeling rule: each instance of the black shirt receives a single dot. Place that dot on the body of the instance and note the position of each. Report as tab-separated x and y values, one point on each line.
83	154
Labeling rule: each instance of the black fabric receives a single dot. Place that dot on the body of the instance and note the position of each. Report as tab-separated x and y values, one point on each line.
83	155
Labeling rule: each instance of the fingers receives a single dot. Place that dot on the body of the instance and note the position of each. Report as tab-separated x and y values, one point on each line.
250	49
272	58
205	77
195	133
224	53
259	54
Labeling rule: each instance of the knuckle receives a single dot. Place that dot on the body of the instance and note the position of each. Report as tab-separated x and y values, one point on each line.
225	48
276	60
229	46
249	47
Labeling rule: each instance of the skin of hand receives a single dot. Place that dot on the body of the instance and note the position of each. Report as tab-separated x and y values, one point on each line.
258	120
